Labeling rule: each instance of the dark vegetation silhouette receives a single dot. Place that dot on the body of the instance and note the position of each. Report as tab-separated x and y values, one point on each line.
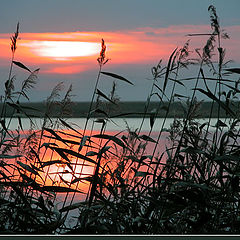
188	185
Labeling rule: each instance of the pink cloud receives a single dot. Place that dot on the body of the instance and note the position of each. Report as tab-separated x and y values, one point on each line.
51	51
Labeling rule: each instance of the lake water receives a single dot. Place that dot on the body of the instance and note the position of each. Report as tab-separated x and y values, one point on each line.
116	124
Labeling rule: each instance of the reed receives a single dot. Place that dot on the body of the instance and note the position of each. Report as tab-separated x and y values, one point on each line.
59	178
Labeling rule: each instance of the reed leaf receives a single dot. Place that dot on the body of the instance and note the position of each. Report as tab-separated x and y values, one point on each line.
59	189
28	168
55	134
68	126
91	153
53	162
89	179
71	207
104	96
9	156
147	138
83	142
63	139
117	77
213	97
100	111
62	152
3	124
36	155
30	181
152	120
112	138
233	70
177	81
168	70
19	64
142	174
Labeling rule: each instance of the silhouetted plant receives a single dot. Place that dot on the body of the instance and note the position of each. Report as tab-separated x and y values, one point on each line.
135	185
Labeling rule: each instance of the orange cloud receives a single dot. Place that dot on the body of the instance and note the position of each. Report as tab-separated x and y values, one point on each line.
74	52
66	69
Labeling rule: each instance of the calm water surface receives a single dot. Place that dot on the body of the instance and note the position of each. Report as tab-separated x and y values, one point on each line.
116	124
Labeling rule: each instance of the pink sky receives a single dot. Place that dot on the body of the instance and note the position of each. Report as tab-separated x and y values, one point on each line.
75	52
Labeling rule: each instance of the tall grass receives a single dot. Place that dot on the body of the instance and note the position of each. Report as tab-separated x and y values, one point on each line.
58	178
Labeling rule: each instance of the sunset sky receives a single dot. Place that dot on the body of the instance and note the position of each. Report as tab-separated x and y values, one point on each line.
63	39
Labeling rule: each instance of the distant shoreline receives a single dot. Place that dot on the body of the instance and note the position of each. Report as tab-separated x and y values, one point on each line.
122	109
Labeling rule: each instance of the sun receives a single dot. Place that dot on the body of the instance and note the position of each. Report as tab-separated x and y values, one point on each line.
64	49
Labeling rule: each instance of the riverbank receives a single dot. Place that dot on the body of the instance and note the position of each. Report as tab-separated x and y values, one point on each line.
122	109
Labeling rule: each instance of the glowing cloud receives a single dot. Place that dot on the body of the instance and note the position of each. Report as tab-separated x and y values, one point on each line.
63	50
75	52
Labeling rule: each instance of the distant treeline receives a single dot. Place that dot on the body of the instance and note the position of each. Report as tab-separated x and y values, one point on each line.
122	109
